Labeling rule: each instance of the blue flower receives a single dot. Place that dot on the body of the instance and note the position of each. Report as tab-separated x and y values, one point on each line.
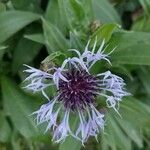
77	89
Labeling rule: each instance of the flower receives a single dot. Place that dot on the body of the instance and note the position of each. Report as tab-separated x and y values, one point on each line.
77	89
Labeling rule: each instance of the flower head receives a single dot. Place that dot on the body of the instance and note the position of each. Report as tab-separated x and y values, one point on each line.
76	93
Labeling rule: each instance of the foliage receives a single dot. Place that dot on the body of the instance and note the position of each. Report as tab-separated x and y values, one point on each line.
30	30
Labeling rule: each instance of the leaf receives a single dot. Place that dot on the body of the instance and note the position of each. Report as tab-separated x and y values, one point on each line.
131	131
103	32
54	16
133	55
30	5
19	106
124	39
114	137
78	10
105	12
138	109
52	56
2	7
119	132
121	139
5	130
54	39
66	14
15	140
3	47
104	143
108	138
76	14
71	142
142	24
69	15
2	51
39	38
13	21
146	6
144	73
131	48
75	41
135	116
25	52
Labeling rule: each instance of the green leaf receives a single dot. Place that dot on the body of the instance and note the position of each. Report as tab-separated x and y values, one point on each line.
132	48
13	21
132	131
52	56
104	143
78	10
54	16
134	55
54	39
135	116
123	39
15	140
142	24
39	38
76	14
108	139
114	137
5	130
71	142
103	32
105	12
66	14
138	109
30	5
2	7
75	41
25	52
69	15
144	73
119	132
2	51
146	6
3	47
19	106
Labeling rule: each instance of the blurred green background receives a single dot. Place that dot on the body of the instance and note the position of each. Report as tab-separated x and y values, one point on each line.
30	30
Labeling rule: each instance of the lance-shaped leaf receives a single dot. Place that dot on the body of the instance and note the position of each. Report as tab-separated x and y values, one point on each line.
105	12
131	48
19	106
13	21
54	39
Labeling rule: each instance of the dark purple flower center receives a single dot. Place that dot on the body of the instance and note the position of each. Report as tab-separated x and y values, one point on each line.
79	92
